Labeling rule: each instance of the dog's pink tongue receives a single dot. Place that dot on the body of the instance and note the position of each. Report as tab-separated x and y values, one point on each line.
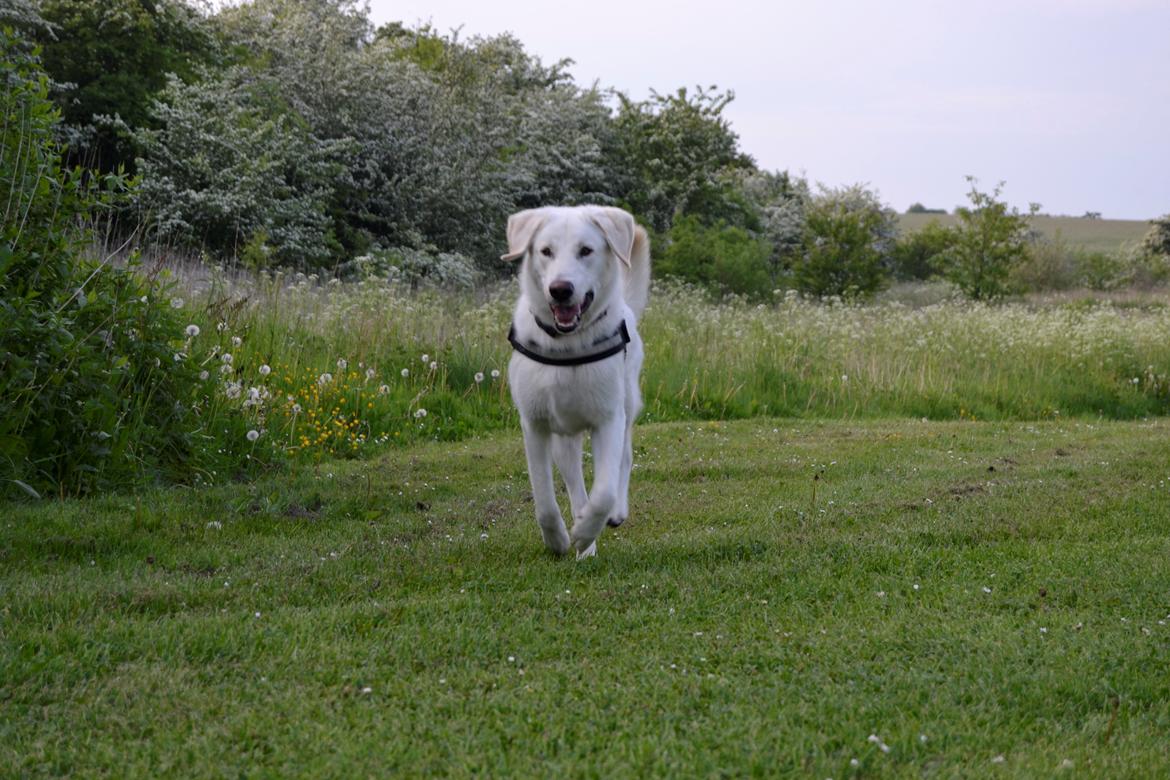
566	315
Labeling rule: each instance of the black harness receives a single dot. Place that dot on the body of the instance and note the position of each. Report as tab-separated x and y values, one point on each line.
575	360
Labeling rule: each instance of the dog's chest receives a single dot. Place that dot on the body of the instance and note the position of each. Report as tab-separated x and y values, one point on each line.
568	399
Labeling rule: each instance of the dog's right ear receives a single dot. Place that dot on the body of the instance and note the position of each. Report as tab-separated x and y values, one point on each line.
522	227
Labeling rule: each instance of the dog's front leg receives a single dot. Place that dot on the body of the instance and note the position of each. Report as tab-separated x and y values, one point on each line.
608	440
548	514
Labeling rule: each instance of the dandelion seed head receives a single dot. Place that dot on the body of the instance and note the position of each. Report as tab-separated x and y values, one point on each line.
495	373
265	370
478	377
420	413
192	331
253	435
176	303
405	373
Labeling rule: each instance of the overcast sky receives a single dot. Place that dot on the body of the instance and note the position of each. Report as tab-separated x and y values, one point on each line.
1068	101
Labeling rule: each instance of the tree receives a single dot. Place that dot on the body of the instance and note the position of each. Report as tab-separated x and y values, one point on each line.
846	246
723	257
990	241
1157	239
109	58
675	151
917	254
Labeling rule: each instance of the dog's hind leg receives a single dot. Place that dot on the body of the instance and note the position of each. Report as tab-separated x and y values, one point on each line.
621	510
566	453
607	460
548	515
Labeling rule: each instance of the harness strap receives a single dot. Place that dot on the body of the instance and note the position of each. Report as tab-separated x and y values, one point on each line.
577	360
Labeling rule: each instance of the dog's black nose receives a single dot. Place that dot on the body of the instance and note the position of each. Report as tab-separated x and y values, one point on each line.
561	291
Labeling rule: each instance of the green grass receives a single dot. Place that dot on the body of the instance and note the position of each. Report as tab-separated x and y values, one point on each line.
1106	235
783	590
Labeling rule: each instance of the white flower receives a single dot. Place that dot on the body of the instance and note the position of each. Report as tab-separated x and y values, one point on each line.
405	373
192	331
179	357
478	377
384	389
237	341
253	435
420	413
221	326
426	358
342	363
232	389
370	373
176	303
265	370
296	408
324	379
203	376
495	373
226	368
226	357
434	365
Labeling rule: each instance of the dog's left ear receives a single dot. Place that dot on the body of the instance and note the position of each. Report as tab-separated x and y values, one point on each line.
522	227
618	227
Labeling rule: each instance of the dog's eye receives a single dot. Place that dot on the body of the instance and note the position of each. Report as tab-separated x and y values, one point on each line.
586	251
547	252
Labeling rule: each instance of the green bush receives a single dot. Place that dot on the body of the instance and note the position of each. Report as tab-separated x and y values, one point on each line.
991	241
724	258
847	243
90	393
916	255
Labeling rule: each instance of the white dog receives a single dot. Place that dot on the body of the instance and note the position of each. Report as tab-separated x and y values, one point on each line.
583	284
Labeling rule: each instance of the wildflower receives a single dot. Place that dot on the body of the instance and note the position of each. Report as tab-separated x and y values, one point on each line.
253	435
478	377
176	303
237	341
420	413
370	374
384	389
221	326
296	408
426	358
265	370
179	357
342	363
433	365
232	389
495	373
192	331
226	357
324	379
405	373
203	376
226	368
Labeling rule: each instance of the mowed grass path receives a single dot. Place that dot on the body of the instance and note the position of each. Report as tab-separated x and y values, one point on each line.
983	598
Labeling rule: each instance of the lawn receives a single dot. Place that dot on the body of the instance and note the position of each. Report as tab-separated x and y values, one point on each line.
833	599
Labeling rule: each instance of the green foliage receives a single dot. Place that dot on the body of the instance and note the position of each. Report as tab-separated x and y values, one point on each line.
916	255
991	240
89	397
675	151
848	238
110	58
724	258
1157	240
918	208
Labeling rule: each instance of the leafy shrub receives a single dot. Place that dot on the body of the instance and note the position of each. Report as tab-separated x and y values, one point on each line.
724	258
90	395
916	255
415	268
991	240
1157	239
847	242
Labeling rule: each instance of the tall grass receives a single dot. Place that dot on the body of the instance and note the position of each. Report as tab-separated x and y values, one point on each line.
352	366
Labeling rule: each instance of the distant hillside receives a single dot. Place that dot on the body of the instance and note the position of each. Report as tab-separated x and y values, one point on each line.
1103	234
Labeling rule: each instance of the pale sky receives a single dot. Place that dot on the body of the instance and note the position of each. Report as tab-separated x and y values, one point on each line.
1066	100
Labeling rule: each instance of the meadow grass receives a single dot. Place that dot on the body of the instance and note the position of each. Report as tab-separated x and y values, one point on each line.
325	370
1105	235
830	599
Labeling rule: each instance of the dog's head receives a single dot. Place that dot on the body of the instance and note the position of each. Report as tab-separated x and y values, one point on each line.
571	256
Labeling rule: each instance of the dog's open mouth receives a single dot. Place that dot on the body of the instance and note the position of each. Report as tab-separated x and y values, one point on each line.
568	316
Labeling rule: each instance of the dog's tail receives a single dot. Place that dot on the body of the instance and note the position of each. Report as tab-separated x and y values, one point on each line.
636	278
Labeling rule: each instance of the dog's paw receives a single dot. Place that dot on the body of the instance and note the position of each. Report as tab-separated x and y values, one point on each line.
614	522
588	552
556	540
